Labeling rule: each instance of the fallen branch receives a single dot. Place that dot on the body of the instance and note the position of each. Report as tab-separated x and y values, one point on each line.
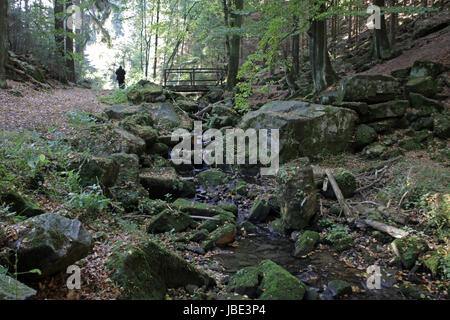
402	199
344	206
390	230
204	218
370	185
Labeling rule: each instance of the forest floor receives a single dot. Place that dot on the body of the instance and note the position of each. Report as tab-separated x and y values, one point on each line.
45	111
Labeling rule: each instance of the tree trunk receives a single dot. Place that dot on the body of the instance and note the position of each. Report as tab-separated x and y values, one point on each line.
155	63
323	72
394	18
233	62
382	48
226	15
3	42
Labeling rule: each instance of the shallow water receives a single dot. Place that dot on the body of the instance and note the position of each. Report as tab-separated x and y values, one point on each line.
315	271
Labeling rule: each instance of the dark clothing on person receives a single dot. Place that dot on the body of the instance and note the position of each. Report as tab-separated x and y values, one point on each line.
120	73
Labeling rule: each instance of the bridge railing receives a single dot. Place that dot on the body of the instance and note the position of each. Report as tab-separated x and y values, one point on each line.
191	79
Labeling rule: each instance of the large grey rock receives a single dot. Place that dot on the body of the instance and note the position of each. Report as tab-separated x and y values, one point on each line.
50	243
370	88
305	129
146	270
106	139
120	112
162	181
426	86
385	110
425	68
424	105
297	195
166	116
11	289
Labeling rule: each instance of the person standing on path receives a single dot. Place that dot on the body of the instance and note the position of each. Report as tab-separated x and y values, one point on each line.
120	73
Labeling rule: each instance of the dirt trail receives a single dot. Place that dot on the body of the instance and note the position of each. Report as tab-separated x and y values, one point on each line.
434	47
23	107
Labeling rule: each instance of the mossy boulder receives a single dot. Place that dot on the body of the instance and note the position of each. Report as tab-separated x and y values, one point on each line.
219	220
364	136
11	289
339	288
198	209
306	243
410	145
260	210
339	237
245	282
384	126
248	227
370	88
346	182
146	270
297	194
306	130
230	207
160	149
278	226
187	105
20	205
374	151
167	117
153	94
432	262
425	107
169	220
160	182
425	68
120	112
385	110
442	125
105	139
279	284
221	237
127	188
426	86
212	178
50	243
102	170
408	250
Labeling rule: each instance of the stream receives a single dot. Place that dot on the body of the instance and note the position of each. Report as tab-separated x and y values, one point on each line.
315	270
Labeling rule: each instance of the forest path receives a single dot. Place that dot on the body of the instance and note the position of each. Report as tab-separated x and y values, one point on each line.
22	107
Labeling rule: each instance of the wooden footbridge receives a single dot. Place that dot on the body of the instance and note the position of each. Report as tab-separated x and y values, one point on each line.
193	80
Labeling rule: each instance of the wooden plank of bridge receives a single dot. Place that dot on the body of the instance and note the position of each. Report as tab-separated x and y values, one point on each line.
195	84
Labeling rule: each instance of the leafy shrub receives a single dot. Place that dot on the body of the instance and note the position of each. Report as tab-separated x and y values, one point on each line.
90	200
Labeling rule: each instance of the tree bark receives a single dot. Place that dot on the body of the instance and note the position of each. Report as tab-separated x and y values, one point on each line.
323	72
382	48
233	62
155	63
3	42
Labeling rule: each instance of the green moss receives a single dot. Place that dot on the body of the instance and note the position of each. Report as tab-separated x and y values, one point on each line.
245	281
346	182
218	237
340	238
364	136
169	220
147	270
198	209
339	288
279	284
409	250
306	243
20	205
212	177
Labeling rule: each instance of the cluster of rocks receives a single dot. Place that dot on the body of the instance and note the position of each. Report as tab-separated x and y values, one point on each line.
385	103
